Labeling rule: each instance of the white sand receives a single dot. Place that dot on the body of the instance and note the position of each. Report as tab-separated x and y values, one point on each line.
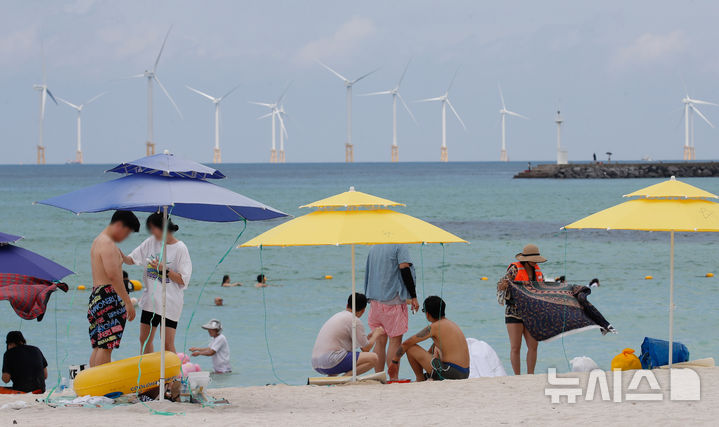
508	400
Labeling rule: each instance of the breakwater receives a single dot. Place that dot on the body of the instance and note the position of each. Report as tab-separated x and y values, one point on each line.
601	170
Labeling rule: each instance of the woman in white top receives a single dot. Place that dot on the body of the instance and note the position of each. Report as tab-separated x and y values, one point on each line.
179	270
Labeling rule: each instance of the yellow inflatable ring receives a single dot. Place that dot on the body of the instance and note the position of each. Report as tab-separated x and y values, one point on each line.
136	285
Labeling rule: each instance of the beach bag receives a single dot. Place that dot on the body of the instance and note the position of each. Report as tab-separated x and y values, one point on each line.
583	364
655	353
626	360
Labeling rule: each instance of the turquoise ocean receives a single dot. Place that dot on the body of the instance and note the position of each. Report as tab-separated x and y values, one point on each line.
271	332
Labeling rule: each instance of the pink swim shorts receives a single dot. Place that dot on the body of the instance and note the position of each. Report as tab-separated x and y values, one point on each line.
393	318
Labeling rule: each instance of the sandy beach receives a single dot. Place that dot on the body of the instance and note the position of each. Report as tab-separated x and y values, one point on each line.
504	400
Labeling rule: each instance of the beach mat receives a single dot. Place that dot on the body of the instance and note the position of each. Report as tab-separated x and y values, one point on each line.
379	376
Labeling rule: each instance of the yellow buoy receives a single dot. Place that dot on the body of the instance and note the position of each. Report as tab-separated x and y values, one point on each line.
648	277
81	288
485	278
136	285
710	274
328	277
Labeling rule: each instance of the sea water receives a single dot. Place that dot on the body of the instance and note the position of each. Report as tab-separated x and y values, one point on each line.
271	332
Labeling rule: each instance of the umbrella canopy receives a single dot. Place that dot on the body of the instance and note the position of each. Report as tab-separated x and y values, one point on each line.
353	227
17	260
671	206
351	198
8	238
188	198
168	165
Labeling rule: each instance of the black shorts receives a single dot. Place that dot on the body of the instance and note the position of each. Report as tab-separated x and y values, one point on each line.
508	319
150	318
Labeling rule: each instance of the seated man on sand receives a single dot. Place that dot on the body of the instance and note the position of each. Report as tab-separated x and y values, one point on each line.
447	358
333	352
24	365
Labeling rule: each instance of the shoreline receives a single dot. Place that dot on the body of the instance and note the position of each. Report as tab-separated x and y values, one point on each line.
601	170
500	400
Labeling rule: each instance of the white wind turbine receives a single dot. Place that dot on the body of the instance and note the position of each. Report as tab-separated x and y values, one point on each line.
79	108
217	156
690	107
504	113
276	112
283	133
44	93
445	102
151	75
349	148
395	95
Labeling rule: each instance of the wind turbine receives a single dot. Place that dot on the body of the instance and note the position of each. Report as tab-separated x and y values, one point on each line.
151	75
217	156
395	95
690	107
78	108
283	132
444	99
561	153
276	111
504	113
349	148
44	93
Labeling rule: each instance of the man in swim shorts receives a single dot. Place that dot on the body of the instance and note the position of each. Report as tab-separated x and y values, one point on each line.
447	358
109	306
332	354
389	286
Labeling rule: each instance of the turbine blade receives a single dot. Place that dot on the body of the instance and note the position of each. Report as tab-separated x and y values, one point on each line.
333	71
364	75
451	82
135	76
399	83
501	96
384	92
94	98
266	115
456	114
282	96
167	94
51	95
262	104
512	113
70	104
157	61
229	92
211	98
699	113
439	98
696	101
406	107
282	124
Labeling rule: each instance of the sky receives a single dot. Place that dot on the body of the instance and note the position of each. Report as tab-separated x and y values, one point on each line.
618	71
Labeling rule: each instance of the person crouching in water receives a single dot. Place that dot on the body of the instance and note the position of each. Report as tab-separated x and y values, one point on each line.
447	358
525	269
179	270
218	349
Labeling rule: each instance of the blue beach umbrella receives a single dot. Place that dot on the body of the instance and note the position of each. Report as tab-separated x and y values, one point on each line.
161	182
17	260
8	238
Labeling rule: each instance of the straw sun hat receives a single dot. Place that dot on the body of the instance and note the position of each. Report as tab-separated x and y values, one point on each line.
530	253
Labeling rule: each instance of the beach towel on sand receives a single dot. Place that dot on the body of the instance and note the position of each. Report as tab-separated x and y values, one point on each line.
483	360
551	310
28	296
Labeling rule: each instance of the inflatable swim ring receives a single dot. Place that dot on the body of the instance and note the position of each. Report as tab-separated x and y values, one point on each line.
136	285
121	376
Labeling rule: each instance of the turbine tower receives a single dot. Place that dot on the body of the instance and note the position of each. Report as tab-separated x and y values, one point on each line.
690	107
217	155
44	93
444	99
349	148
78	108
395	95
504	113
276	111
151	75
561	154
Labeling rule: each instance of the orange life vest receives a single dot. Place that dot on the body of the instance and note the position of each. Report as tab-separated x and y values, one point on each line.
523	276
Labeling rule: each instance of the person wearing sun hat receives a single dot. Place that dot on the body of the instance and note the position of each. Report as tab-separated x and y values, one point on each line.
218	348
525	269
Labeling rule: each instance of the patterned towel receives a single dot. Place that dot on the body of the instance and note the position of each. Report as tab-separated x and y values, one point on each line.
551	310
28	296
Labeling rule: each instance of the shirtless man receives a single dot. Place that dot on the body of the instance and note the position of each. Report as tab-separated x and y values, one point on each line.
447	358
110	306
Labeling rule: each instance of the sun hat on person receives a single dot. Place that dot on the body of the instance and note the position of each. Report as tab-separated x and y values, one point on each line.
213	324
530	253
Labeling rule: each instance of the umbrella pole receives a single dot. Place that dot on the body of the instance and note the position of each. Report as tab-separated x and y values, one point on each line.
671	298
354	319
164	303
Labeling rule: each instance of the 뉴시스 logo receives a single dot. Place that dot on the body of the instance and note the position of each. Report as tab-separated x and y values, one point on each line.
684	385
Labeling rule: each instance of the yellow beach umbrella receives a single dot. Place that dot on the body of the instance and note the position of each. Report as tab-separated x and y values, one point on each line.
363	220
671	206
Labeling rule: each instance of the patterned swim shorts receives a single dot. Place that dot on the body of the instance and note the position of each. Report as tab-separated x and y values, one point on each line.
107	316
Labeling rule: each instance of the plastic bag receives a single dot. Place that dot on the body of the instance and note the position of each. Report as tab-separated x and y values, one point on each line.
626	360
583	364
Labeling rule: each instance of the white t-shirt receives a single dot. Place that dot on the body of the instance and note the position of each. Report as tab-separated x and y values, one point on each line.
334	340
178	260
221	358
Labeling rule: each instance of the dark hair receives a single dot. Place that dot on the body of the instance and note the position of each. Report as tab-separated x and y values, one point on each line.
434	306
360	302
155	220
260	278
125	275
225	278
15	337
127	218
